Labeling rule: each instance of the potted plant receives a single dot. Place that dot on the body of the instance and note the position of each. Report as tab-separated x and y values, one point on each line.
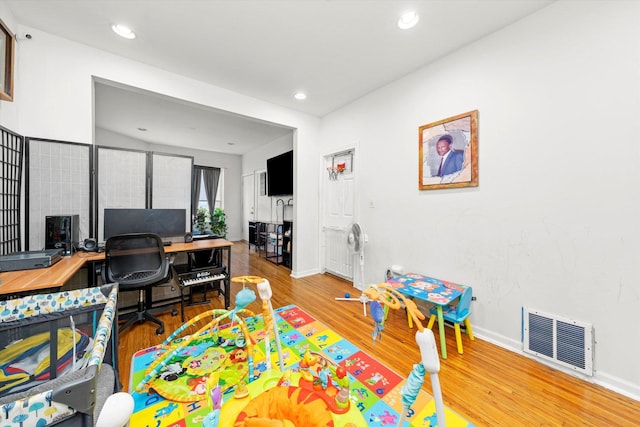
201	220
219	223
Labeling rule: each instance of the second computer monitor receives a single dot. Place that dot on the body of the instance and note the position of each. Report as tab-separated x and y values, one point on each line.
166	223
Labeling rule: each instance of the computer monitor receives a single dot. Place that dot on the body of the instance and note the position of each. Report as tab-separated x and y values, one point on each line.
166	223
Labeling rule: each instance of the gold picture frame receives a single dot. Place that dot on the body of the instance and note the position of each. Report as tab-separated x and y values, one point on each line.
7	46
448	153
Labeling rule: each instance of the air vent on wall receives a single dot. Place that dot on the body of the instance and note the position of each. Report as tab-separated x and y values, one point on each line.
566	342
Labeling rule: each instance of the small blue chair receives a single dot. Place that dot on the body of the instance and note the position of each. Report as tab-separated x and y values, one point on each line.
457	315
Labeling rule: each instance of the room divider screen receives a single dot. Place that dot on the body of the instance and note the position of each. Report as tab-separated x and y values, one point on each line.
171	183
121	182
140	179
58	183
12	146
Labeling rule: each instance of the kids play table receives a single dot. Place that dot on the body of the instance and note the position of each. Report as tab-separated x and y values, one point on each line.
438	292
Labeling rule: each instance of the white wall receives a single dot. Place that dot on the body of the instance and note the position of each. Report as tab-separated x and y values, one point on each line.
256	161
231	164
54	100
553	224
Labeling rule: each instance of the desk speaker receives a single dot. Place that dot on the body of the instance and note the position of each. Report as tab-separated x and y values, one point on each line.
90	245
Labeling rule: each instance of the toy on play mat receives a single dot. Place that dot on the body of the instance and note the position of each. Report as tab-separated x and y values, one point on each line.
375	389
212	419
317	393
268	314
309	395
383	294
362	298
182	365
321	373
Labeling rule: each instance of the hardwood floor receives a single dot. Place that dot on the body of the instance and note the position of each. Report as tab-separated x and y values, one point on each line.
488	385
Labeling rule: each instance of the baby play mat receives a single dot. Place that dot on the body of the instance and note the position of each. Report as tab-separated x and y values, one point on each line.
177	395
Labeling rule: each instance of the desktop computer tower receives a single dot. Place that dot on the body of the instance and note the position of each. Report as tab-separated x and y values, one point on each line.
62	232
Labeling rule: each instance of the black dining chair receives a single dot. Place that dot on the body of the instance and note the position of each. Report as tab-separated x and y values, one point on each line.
137	262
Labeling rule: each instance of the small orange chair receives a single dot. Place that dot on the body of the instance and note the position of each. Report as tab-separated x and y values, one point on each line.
457	315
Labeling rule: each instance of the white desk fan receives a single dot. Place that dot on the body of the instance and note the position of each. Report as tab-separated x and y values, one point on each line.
355	241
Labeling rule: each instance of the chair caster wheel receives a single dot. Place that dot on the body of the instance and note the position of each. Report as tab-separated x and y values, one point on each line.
174	312
160	330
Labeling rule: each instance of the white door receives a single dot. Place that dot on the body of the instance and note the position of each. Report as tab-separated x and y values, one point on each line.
338	213
248	204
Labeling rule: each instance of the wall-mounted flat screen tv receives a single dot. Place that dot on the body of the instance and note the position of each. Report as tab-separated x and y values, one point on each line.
165	223
280	175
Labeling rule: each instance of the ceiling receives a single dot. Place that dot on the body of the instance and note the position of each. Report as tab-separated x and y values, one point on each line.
159	119
334	50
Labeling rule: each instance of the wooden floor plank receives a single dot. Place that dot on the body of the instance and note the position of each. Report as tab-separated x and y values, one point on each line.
488	385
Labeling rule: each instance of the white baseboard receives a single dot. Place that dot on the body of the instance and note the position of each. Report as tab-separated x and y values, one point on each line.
616	384
300	274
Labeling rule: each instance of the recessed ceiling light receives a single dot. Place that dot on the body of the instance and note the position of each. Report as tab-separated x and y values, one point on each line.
300	96
408	20
123	31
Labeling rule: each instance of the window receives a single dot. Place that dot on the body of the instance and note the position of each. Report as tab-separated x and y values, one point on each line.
202	197
208	183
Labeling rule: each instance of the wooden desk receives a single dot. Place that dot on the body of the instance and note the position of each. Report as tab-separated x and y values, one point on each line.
29	281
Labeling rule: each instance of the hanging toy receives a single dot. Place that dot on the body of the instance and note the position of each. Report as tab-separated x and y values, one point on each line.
377	312
212	419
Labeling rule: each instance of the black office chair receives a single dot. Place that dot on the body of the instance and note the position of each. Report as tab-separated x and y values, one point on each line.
137	262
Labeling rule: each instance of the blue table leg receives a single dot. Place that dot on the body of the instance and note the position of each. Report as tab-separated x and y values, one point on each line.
443	339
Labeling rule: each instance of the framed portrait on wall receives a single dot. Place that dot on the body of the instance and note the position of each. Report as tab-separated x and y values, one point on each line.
6	63
448	153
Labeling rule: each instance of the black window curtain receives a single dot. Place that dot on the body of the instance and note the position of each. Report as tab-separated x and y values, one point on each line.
210	176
